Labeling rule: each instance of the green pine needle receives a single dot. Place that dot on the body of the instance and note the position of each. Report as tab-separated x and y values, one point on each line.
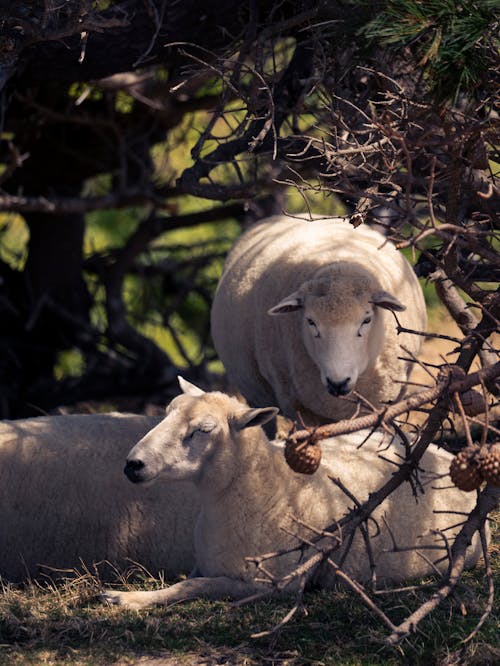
453	40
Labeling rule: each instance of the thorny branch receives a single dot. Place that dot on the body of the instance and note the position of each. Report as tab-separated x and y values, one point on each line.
488	500
327	541
445	388
387	414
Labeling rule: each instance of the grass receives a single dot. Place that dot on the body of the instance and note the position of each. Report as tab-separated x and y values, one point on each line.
64	623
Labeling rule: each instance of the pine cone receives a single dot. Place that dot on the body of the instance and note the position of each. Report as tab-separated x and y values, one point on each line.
489	466
464	469
304	457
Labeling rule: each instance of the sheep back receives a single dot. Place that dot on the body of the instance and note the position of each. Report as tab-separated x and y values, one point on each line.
262	498
425	513
264	356
65	502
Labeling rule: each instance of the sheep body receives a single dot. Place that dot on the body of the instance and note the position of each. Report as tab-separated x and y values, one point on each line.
326	279
64	501
248	495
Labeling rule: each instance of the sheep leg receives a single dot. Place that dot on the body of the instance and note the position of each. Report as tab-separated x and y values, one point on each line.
219	587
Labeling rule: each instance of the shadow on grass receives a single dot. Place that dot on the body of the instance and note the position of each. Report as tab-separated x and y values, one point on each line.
65	623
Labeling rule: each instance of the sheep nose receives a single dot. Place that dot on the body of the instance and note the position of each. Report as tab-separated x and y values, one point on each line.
338	388
132	469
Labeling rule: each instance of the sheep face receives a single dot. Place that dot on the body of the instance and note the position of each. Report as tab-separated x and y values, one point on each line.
342	327
197	428
178	446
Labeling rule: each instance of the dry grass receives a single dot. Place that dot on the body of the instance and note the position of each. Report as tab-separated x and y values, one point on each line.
65	623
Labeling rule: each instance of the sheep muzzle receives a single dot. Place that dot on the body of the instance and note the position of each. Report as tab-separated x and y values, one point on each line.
133	470
338	388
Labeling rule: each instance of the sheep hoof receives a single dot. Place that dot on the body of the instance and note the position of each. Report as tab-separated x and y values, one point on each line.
125	599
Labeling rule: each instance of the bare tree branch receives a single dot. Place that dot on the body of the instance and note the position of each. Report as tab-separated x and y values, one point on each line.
487	501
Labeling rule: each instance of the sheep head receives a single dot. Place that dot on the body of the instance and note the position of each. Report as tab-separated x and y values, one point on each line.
196	428
342	326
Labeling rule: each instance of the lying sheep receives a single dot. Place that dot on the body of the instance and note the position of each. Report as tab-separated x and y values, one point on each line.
64	501
248	494
332	287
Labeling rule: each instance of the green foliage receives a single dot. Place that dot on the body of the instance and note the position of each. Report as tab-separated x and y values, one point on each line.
450	39
311	199
77	90
101	4
70	363
173	307
110	229
123	102
13	240
212	86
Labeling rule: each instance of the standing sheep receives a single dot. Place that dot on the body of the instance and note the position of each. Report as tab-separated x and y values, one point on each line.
248	495
64	501
329	288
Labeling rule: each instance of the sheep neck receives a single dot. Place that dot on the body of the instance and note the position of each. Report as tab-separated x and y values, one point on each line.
256	470
250	512
241	512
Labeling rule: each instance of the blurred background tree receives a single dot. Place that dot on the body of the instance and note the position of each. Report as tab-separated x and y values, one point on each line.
139	137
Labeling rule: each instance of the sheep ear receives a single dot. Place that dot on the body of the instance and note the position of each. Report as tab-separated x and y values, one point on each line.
291	303
188	388
254	417
383	299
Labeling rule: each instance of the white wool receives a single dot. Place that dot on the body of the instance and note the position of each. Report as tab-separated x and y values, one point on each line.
330	266
65	502
248	496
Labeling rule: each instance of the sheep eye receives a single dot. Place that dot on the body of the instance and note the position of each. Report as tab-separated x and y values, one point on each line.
367	320
313	326
204	427
191	434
